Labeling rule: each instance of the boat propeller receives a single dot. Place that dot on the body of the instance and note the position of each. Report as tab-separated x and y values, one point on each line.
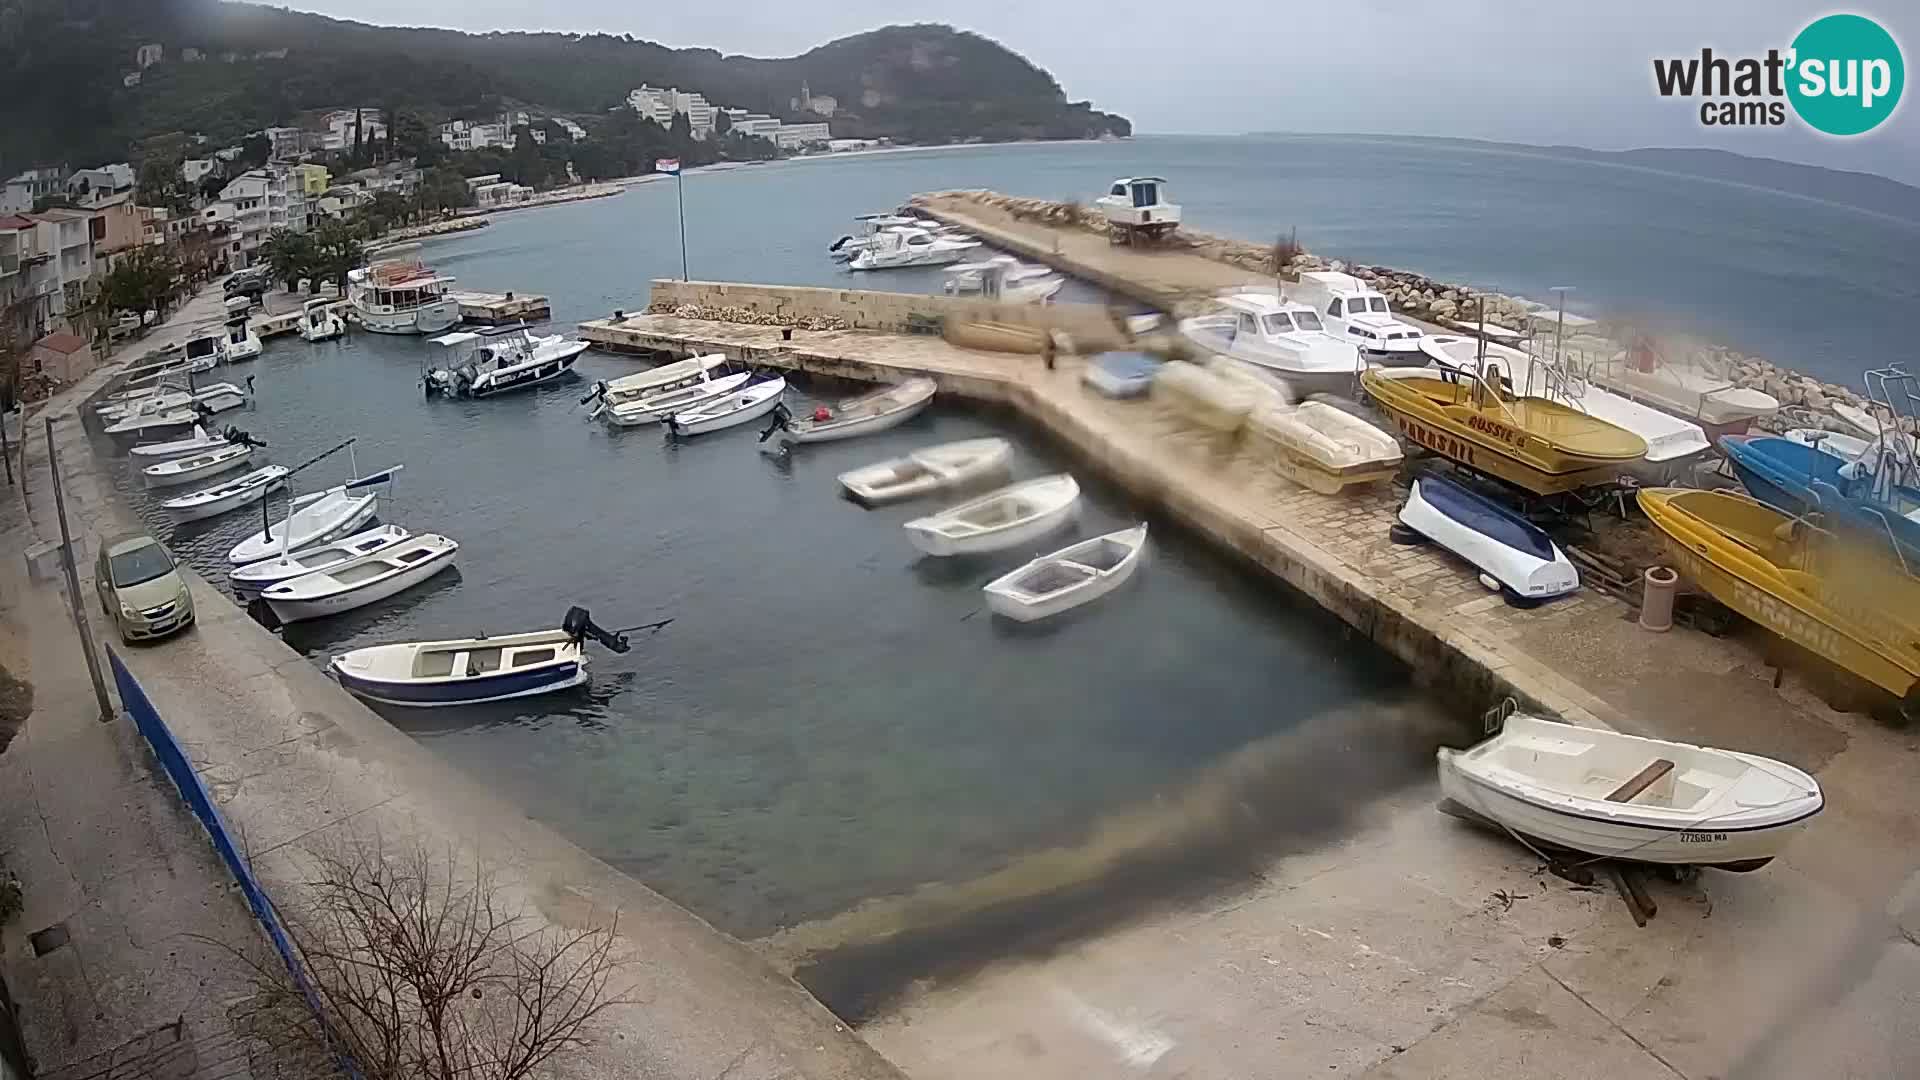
579	626
781	414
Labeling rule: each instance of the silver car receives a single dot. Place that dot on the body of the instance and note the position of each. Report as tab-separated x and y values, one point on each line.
140	588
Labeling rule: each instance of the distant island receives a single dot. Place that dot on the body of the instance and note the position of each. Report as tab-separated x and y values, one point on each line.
1865	191
86	80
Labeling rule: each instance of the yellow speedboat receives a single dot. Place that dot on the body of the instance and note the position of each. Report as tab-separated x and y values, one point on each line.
1536	444
1837	597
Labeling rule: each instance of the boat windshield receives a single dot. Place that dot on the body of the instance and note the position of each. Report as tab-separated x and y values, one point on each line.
139	565
1307	320
200	347
1377	303
1278	323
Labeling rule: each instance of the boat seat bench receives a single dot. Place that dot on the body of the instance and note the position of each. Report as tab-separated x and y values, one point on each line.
1641	781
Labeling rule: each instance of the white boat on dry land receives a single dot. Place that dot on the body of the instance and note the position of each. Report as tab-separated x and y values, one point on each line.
315	519
923	472
876	411
1278	336
656	407
1689	390
232	495
187	470
1322	448
468	671
1068	578
1621	796
1002	519
1359	314
614	393
360	581
248	581
744	406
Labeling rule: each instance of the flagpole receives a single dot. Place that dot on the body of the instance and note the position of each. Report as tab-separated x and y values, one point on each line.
680	188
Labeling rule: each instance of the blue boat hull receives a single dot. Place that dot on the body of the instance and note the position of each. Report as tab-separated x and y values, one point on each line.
496	687
1795	478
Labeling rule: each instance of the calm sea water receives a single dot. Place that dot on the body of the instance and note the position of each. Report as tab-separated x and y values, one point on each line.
832	719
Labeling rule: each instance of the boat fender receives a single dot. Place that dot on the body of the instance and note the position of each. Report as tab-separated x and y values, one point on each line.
822	414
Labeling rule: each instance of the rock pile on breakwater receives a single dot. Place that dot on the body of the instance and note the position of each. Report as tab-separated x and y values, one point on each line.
748	316
1808	400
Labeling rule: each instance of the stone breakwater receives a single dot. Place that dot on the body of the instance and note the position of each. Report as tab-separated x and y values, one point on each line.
1808	400
747	316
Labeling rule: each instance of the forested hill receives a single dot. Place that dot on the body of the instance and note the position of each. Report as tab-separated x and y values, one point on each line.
63	63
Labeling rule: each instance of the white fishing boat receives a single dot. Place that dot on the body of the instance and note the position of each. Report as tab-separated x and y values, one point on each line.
1507	548
1002	519
875	411
315	519
160	424
745	406
502	358
319	323
196	442
1004	279
242	343
1068	578
1620	796
871	225
923	472
360	581
1279	336
186	470
1358	313
206	400
1669	438
468	671
1686	389
250	580
231	495
656	407
401	297
626	389
898	248
1322	448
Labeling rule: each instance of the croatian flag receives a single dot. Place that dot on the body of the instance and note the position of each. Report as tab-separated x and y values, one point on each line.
667	165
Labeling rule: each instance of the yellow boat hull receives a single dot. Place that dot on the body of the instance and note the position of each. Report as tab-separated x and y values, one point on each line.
1847	605
1534	444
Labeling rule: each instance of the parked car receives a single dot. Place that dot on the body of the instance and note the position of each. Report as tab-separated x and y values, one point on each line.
252	282
141	589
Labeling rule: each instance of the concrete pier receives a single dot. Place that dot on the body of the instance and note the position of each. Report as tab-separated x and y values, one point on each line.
498	309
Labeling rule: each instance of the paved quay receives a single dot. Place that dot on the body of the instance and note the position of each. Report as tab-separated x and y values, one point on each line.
1415	946
294	762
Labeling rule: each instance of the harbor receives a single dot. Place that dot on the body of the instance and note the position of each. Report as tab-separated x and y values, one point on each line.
1235	781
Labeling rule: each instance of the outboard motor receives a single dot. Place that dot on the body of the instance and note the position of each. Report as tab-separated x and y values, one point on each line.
580	626
599	391
240	438
781	415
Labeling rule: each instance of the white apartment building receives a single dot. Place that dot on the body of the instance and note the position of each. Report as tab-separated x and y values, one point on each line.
108	185
795	136
759	125
659	106
338	134
194	170
574	131
465	135
22	191
256	203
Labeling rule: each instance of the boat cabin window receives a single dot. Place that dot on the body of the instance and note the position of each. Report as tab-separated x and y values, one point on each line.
921	238
1118	189
1279	323
532	656
199	347
1146	194
1307	320
1333	309
1377	303
1245	326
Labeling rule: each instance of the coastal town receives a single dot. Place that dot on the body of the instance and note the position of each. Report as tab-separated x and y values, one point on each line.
702	586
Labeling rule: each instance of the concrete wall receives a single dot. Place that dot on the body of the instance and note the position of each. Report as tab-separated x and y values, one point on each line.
891	312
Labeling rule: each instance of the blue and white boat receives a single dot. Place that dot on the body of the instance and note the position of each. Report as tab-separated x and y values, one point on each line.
469	671
1797	478
1121	374
1509	549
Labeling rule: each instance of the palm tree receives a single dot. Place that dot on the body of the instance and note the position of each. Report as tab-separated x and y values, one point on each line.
289	255
335	251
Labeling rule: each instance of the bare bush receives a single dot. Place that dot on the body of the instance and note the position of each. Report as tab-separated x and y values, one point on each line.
421	972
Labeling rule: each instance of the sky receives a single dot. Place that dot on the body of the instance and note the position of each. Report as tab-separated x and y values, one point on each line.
1510	70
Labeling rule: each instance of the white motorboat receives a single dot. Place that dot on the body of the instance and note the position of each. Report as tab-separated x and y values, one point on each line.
468	671
196	442
315	519
923	472
742	407
656	407
206	400
250	580
1068	578
1358	313
231	495
360	581
1285	338
203	351
167	422
1002	519
641	384
1322	448
1004	279
1669	438
897	248
319	323
401	297
1137	209
871	225
503	358
1621	796
1502	545
186	470
1691	391
242	343
876	411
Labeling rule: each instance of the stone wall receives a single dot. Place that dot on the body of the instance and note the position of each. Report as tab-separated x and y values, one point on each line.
805	308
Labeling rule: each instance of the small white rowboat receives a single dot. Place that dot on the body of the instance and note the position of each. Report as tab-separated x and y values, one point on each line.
235	493
656	407
250	580
922	472
1069	577
154	423
1002	519
185	470
1625	797
361	581
885	408
744	407
196	442
314	519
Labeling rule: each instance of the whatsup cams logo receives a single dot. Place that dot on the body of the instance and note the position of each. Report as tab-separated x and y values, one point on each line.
1842	76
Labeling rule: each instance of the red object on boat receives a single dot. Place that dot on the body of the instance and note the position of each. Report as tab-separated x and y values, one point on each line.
822	413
